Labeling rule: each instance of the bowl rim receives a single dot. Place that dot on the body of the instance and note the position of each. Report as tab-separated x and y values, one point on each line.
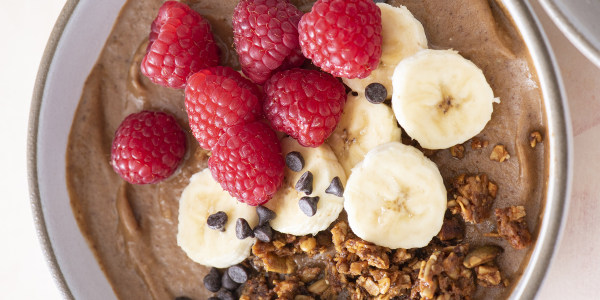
558	127
32	136
571	31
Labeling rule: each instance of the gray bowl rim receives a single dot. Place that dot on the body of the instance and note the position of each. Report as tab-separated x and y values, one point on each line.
572	31
560	156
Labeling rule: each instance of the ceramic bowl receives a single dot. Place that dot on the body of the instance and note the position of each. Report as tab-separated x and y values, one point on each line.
73	49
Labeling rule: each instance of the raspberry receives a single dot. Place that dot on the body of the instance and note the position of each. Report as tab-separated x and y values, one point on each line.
306	104
180	44
147	148
247	162
265	33
215	102
235	75
342	37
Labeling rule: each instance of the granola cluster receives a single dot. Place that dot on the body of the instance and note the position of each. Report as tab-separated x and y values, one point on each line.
337	264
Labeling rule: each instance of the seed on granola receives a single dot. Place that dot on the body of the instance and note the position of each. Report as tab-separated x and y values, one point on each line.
212	281
308	244
499	153
335	187
305	183
318	287
264	233
481	255
535	138
375	93
308	205
294	161
265	215
238	273
457	151
217	221
242	229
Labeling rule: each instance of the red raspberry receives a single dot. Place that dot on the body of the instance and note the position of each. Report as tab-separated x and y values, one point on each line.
248	163
265	33
343	37
180	44
215	102
235	75
147	148
306	104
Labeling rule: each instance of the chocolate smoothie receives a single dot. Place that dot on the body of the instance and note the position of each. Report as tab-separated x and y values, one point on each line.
132	228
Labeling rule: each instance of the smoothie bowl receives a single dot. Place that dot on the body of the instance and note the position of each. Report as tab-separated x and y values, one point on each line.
503	187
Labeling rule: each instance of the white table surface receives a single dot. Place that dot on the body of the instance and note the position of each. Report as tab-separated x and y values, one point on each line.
24	28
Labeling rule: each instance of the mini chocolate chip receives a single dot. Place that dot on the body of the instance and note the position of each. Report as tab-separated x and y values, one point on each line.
375	93
305	183
212	281
228	283
225	295
242	229
263	233
264	215
308	205
238	273
217	221
335	187
294	161
183	298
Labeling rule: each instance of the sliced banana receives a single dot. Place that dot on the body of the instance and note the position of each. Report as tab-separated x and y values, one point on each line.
362	126
324	166
395	197
440	98
402	36
203	197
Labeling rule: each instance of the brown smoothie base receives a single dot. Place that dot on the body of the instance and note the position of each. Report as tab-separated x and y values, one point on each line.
132	229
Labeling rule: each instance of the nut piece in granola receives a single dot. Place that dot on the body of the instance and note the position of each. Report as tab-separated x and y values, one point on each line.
457	151
443	275
535	138
499	153
477	143
512	226
473	197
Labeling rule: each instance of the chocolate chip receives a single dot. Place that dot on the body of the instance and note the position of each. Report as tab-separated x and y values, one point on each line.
212	281
213	298
335	187
228	283
217	221
305	183
294	161
183	298
264	215
242	229
308	205
263	233
375	93
238	273
225	295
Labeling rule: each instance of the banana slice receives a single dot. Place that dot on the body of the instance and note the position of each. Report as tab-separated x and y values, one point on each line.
395	197
324	166
402	36
363	126
203	197
440	98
